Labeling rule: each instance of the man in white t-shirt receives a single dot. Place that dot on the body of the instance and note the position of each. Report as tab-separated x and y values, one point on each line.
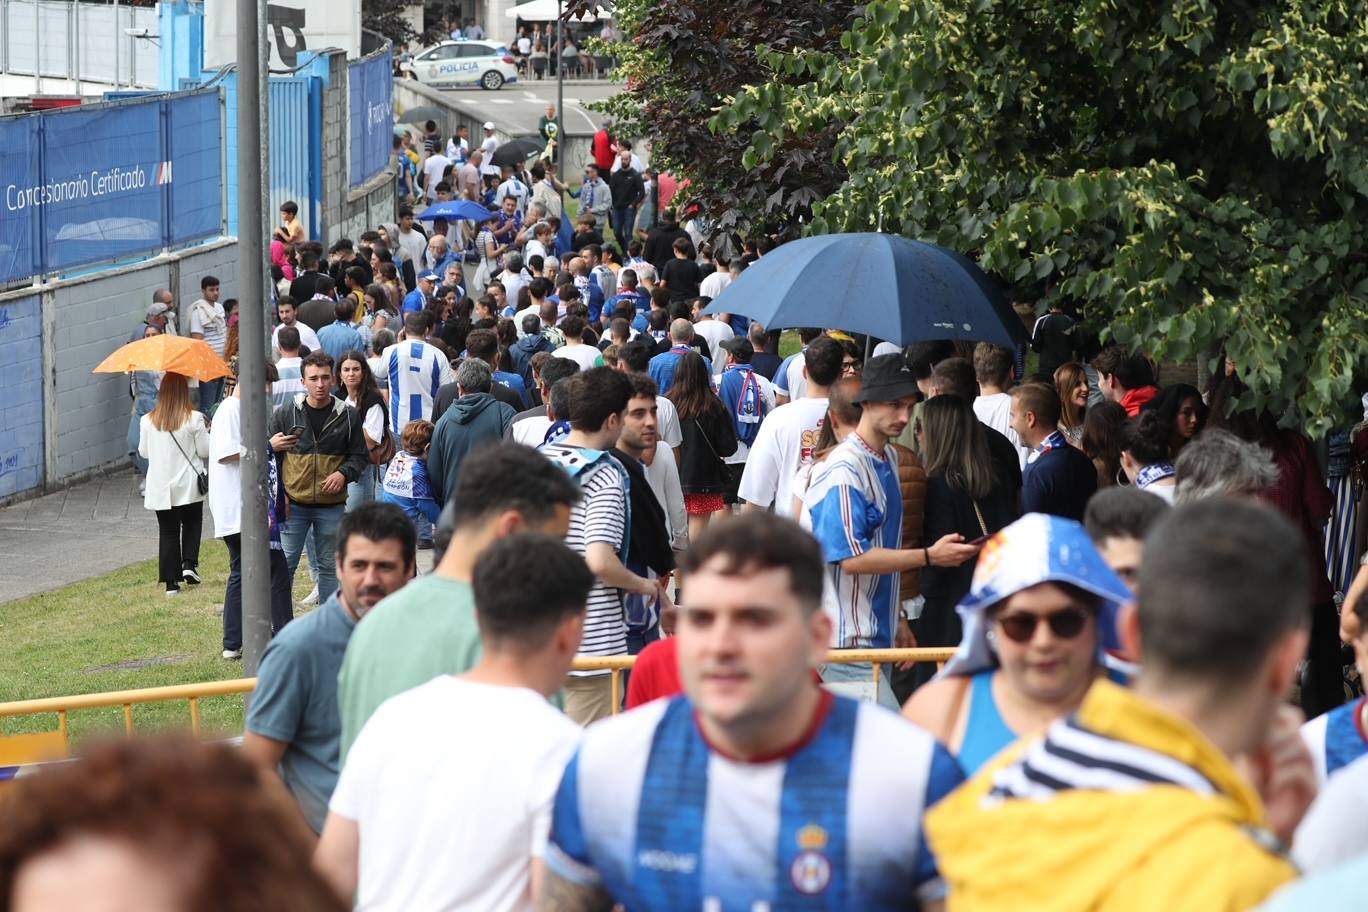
208	322
489	144
434	172
586	356
289	310
424	817
714	332
788	436
993	406
716	282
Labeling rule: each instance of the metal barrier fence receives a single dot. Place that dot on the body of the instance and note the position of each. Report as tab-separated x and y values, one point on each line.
193	693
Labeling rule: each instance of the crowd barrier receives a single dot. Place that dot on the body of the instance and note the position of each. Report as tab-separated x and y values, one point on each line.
18	750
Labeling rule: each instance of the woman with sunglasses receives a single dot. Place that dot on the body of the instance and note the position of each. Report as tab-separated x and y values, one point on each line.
1041	612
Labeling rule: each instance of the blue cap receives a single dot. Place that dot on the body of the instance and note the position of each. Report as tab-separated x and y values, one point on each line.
1035	549
428	276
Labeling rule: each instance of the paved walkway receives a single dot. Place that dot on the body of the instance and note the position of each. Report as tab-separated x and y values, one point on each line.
82	532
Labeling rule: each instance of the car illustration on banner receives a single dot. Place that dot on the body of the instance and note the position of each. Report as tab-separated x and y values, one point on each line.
465	63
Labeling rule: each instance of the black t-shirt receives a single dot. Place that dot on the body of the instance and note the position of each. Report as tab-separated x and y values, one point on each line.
682	277
318	418
1054	341
766	364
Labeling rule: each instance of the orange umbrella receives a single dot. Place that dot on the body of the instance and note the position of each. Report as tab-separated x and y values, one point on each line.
173	354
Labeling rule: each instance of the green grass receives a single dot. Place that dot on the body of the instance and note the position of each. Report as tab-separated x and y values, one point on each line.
789	343
64	642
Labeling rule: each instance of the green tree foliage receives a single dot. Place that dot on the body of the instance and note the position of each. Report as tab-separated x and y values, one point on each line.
683	59
1194	172
386	17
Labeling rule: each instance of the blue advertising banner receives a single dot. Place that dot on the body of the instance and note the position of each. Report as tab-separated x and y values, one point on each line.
195	178
371	94
101	196
19	244
107	181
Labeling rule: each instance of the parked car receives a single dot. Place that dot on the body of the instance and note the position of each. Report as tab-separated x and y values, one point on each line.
465	63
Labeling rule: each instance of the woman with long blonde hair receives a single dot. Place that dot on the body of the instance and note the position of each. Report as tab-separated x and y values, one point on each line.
173	440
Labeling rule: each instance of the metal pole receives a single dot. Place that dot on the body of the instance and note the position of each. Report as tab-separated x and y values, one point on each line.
560	89
76	45
256	562
117	33
37	48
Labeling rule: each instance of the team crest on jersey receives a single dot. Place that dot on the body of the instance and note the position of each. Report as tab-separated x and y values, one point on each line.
811	870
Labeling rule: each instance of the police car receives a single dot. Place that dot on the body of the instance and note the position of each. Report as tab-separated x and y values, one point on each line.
465	63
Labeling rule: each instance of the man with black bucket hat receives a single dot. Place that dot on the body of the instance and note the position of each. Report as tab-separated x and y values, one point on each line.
856	508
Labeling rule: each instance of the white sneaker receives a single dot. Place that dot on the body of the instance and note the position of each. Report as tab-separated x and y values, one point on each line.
232	653
142	487
171	593
312	597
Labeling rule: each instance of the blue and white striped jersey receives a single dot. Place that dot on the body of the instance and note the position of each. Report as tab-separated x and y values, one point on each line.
650	812
415	371
856	505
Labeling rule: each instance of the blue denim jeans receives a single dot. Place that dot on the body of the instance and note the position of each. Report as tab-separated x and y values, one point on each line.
863	672
363	489
323	521
210	392
623	221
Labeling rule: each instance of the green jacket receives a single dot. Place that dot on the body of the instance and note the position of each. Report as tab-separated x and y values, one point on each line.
339	448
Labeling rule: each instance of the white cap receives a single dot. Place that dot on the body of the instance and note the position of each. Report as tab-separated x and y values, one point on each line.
489	125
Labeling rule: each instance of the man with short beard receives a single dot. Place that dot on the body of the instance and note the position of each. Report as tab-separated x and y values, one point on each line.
293	724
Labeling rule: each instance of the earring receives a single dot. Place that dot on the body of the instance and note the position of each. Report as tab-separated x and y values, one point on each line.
1121	478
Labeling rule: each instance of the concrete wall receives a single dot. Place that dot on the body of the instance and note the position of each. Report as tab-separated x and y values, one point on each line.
21	395
90	320
80	419
348	212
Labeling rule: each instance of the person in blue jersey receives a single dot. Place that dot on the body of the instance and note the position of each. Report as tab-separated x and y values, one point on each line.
414	372
406	483
857	517
756	789
662	369
1339	737
1041	613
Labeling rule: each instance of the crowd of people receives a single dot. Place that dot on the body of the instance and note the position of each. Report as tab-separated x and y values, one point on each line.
1133	576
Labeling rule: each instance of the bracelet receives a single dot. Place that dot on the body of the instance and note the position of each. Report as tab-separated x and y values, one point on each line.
926	553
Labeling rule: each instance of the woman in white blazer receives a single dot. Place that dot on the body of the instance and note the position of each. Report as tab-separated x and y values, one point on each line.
173	440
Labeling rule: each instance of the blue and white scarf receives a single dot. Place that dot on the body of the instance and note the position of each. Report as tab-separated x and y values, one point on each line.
1152	473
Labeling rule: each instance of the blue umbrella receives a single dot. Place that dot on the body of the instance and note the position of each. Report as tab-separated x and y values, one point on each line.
880	285
455	210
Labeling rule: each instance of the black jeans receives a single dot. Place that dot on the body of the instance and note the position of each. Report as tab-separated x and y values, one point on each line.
1323	684
178	541
282	607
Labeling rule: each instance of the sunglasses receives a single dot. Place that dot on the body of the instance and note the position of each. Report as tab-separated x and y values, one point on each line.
1064	624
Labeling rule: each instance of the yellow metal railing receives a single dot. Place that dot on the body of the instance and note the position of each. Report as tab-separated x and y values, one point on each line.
193	693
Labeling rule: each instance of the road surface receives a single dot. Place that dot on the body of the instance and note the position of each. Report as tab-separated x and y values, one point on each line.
523	103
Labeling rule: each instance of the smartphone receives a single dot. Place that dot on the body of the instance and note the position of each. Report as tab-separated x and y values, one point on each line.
982	539
296	431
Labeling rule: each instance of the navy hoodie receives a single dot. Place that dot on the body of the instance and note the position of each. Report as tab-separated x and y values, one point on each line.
522	352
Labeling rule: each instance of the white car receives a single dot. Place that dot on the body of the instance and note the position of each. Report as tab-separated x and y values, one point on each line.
465	63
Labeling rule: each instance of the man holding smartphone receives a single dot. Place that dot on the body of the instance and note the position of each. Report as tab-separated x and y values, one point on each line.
857	517
321	448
